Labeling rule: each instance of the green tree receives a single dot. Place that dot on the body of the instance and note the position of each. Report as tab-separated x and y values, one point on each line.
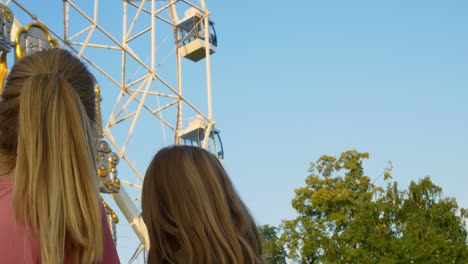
344	218
429	228
273	252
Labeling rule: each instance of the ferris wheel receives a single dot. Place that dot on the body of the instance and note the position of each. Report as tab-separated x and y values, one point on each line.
152	59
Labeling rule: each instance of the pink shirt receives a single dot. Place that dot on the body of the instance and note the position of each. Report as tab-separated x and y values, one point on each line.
19	246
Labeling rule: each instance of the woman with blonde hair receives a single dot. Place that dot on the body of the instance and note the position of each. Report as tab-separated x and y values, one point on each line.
49	199
193	212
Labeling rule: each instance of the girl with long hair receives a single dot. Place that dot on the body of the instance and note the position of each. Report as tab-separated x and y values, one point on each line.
50	209
193	213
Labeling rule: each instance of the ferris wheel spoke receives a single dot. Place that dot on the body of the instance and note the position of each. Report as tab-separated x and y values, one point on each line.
161	108
33	16
138	34
159	113
157	76
151	111
194	108
135	118
134	56
193	5
157	94
137	253
135	19
166	7
136	81
112	116
85	58
162	44
80	33
207	133
123	119
157	16
131	98
94	65
108	35
93	45
131	184
167	57
165	122
161	119
132	166
181	97
85	44
112	121
154	112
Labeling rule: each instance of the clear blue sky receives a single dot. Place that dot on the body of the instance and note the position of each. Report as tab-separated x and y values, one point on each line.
294	80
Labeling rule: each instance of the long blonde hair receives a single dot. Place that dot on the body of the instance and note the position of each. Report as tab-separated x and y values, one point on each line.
191	206
47	116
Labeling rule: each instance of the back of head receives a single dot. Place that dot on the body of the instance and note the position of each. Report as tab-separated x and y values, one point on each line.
52	63
191	207
47	115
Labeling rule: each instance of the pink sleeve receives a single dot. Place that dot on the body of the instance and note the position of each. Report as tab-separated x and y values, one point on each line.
110	252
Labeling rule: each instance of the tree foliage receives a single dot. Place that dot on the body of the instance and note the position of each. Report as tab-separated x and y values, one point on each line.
344	218
273	252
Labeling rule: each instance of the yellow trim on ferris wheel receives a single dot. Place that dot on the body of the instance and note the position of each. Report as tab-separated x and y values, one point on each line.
21	51
3	69
8	14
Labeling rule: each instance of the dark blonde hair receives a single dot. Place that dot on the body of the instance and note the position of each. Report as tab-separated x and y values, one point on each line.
47	115
191	206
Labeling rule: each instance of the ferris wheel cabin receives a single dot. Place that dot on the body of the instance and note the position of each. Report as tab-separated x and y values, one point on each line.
6	20
194	135
190	36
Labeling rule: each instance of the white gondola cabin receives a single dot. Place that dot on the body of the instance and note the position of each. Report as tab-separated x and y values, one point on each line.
194	135
191	36
34	37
